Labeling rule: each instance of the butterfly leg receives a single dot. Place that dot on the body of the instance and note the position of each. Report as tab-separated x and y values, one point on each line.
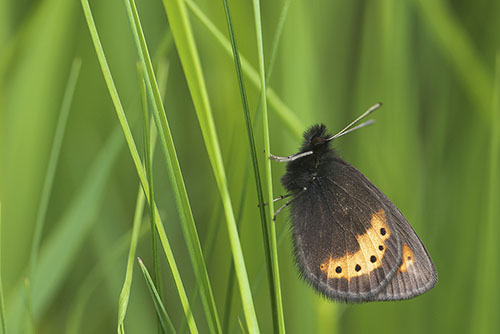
287	203
281	208
279	198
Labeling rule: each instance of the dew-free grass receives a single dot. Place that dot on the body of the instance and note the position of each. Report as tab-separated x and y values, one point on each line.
433	150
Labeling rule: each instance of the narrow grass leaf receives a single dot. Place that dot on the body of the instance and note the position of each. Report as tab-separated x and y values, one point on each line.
125	292
76	319
279	321
267	228
165	321
290	120
488	270
30	321
458	46
138	165
51	168
2	303
174	172
188	54
61	248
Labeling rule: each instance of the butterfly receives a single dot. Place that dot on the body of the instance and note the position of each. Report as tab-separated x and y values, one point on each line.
351	243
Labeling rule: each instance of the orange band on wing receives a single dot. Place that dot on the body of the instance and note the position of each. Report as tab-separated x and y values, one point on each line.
369	256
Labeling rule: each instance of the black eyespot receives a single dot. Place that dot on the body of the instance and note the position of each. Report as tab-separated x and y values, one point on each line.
409	257
382	231
381	247
373	259
358	267
338	270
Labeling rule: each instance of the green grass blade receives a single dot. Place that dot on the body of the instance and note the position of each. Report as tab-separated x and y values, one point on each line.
137	162
175	174
290	120
125	292
51	168
165	321
29	306
188	54
93	280
279	321
488	270
2	303
150	137
459	48
67	237
267	226
276	40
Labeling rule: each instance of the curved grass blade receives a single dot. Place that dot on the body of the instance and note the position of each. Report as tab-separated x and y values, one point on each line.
165	321
267	229
188	54
62	245
52	166
96	275
125	292
138	165
175	174
459	48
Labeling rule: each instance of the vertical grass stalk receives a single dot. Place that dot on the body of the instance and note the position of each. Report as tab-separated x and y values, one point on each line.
188	54
174	171
484	317
137	162
279	322
267	228
2	303
125	292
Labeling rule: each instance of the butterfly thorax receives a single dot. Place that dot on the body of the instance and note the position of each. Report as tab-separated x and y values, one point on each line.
304	172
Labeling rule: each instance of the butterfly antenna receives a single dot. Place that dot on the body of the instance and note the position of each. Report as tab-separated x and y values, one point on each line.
348	128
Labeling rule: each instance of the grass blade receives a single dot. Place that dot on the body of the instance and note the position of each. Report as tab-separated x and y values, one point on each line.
2	303
488	272
290	120
188	54
267	228
51	168
125	292
279	321
459	48
93	280
67	238
165	321
175	174
137	162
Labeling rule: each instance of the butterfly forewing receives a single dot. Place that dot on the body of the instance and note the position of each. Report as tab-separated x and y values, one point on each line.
345	243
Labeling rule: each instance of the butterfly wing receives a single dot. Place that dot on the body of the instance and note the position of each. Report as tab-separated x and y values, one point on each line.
416	274
345	235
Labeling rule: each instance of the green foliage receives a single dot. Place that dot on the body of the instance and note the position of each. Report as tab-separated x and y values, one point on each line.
68	203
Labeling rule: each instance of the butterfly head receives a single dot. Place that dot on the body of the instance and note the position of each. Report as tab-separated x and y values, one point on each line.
315	138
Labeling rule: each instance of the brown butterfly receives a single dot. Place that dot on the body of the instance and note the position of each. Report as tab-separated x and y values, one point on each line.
351	242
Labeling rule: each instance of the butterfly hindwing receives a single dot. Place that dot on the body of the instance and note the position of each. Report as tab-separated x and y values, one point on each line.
345	236
416	274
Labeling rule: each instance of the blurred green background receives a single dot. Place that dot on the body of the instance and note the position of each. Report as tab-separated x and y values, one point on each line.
434	151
